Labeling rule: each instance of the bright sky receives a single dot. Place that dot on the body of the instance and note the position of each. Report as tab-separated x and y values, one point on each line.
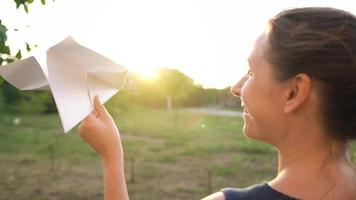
208	40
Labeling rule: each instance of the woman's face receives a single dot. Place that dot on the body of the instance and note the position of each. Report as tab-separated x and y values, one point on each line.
261	96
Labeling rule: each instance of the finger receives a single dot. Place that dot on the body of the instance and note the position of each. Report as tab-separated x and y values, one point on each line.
87	122
99	108
90	117
94	113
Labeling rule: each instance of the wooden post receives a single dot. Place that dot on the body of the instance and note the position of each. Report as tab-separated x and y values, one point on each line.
169	103
209	182
52	157
132	174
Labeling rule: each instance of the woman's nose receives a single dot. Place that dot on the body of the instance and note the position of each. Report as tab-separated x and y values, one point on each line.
236	89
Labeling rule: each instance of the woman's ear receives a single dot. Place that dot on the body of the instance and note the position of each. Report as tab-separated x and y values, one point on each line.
296	92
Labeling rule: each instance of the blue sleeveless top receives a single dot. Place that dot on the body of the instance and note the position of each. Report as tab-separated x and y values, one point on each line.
256	192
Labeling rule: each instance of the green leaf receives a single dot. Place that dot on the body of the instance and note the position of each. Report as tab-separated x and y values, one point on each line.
4	48
9	60
28	48
1	60
30	1
43	2
18	3
18	55
3	36
26	8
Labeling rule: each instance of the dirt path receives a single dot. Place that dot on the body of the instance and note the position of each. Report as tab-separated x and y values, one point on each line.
214	111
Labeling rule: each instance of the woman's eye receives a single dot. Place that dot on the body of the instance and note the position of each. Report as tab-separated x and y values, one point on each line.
249	73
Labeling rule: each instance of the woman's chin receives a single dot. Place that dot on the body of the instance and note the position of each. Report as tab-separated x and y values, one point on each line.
252	131
249	130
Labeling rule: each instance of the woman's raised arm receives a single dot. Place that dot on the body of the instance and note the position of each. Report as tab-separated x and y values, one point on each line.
99	131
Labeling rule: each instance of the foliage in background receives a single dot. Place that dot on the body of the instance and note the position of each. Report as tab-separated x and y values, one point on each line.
178	87
6	56
170	85
12	99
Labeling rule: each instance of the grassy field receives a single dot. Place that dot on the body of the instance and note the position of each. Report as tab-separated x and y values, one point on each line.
168	155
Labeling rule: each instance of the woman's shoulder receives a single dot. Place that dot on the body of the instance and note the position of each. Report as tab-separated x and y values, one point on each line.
256	192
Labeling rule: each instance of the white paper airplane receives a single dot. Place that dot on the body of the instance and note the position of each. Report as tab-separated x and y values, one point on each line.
74	74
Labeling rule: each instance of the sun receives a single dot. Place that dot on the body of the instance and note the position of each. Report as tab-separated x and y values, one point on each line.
148	74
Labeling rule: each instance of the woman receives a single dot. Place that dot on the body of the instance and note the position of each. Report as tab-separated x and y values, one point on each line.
299	96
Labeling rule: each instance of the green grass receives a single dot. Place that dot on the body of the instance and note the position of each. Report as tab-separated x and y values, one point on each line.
171	154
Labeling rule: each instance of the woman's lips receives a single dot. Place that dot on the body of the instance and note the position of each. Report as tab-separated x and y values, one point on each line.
244	109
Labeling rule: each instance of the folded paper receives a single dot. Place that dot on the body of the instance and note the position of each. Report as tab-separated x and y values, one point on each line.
73	73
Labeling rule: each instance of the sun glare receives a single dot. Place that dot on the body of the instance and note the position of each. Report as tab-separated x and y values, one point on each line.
148	74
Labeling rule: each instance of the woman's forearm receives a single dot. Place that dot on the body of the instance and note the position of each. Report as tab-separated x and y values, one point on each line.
100	131
114	178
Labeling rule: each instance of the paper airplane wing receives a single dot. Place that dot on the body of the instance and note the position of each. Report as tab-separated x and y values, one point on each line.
75	74
69	90
105	84
25	74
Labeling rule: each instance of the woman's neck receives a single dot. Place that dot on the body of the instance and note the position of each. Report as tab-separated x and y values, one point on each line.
310	155
319	169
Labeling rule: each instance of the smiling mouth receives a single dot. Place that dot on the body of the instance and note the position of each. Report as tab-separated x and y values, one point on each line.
244	108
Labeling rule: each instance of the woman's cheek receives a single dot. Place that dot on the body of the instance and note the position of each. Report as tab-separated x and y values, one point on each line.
250	128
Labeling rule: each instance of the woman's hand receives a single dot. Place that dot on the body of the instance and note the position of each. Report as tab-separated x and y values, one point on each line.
99	130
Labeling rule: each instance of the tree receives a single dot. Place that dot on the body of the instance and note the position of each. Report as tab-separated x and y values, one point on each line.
10	96
175	86
169	84
5	55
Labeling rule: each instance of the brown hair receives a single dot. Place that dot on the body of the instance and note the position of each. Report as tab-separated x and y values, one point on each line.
320	42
